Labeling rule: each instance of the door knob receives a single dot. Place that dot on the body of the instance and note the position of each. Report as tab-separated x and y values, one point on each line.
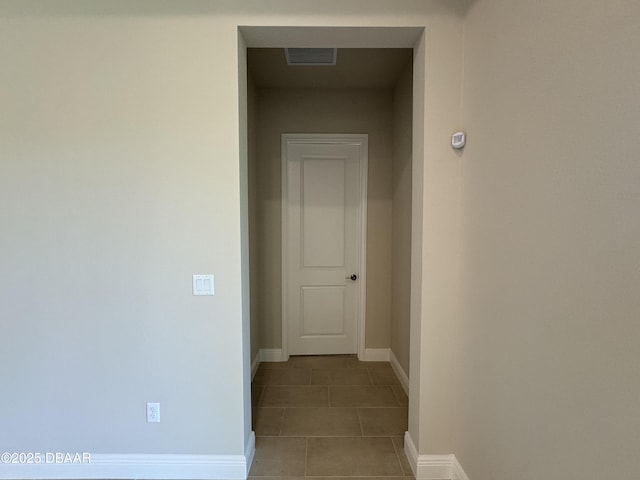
353	277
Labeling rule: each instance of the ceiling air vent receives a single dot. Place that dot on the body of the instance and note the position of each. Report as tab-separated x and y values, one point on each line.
311	56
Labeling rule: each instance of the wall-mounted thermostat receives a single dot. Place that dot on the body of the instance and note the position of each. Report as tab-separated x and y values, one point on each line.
458	140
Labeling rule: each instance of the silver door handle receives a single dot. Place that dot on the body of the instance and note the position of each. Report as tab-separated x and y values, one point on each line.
353	277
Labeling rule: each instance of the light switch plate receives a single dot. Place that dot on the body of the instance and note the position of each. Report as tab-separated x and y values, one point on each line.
203	284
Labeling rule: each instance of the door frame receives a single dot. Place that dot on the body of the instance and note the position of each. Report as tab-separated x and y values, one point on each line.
362	140
279	35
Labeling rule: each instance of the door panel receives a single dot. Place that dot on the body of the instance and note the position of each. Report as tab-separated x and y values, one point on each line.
323	239
322	311
323	211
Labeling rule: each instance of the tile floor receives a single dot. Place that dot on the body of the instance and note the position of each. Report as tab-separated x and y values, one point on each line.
329	416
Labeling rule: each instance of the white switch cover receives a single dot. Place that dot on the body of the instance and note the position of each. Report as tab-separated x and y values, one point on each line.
203	284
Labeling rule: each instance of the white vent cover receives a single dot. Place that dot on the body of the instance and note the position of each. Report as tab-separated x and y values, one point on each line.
311	56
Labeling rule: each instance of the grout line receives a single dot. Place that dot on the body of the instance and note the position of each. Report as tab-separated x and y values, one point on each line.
396	395
397	456
360	421
306	454
370	377
261	395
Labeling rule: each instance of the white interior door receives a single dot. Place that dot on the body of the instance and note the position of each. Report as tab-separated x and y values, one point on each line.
324	202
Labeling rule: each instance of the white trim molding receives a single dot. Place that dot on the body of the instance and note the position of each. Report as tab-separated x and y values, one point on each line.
370	355
375	355
458	472
140	466
266	355
411	452
255	363
432	467
362	140
272	355
250	452
401	374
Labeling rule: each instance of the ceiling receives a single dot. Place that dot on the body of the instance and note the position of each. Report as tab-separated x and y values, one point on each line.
355	68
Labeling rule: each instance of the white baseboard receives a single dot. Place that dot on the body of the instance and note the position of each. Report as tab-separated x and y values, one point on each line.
370	355
142	466
458	472
376	355
266	355
402	376
411	452
432	467
272	355
250	452
255	363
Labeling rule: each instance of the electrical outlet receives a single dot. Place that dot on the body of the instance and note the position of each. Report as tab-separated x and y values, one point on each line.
153	413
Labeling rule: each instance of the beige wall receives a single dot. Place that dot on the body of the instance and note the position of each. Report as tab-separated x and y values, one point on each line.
252	117
324	111
120	143
547	382
401	219
435	205
112	159
120	178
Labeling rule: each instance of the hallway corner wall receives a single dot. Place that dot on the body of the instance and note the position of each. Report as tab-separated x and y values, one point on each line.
401	219
324	111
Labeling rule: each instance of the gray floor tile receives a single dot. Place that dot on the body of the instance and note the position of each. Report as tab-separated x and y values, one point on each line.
295	396
310	414
271	365
284	478
360	396
256	393
322	361
401	396
398	442
359	456
352	478
383	421
355	363
384	376
341	376
279	456
324	421
282	376
334	478
267	420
